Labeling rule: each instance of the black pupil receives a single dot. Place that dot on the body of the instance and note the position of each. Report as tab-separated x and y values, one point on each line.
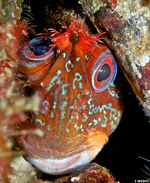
41	48
104	72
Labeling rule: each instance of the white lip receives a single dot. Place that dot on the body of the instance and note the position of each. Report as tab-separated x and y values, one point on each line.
61	165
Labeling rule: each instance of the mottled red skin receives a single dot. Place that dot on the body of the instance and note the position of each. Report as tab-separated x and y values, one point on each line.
75	121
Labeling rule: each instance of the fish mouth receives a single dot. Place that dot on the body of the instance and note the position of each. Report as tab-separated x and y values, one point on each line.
64	165
60	165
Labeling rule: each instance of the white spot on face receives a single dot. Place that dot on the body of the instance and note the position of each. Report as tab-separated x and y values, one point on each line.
76	127
54	105
113	93
55	78
62	107
86	57
113	126
78	59
45	104
77	117
95	122
69	65
104	112
67	130
71	107
40	121
85	117
57	136
81	127
80	85
58	51
64	55
78	77
52	114
104	123
64	92
48	128
90	124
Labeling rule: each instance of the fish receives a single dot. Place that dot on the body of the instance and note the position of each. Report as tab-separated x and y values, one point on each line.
74	74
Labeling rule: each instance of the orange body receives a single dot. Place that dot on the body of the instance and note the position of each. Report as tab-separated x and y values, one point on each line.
76	115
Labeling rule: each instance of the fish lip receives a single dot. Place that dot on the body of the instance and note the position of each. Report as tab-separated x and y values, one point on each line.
59	166
66	164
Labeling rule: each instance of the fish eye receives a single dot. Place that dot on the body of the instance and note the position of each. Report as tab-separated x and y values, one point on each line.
104	71
41	48
38	49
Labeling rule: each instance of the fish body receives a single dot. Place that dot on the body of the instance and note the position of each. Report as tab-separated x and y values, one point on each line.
80	104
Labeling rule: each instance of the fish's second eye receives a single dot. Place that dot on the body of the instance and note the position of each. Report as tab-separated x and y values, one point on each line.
104	71
38	49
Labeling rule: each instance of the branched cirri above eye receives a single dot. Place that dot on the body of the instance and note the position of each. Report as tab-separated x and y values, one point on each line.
38	49
104	71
